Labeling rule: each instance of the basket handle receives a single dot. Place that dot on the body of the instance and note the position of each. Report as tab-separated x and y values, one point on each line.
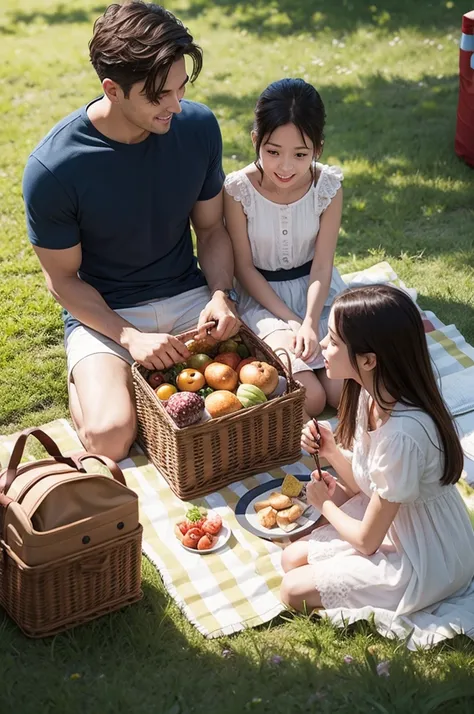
287	368
51	447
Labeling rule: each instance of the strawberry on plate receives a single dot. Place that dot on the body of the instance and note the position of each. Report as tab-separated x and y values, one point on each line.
212	524
192	537
206	542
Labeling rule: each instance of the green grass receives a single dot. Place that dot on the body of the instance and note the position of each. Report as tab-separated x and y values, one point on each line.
388	75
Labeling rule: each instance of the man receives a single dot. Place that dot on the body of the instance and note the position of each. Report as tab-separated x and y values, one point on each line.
109	195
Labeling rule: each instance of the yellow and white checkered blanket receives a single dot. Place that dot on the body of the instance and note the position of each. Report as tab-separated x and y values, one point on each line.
237	586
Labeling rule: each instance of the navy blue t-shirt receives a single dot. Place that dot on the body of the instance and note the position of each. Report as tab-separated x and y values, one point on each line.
128	205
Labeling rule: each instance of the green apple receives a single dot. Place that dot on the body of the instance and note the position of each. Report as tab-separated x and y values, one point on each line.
199	361
228	346
249	395
243	351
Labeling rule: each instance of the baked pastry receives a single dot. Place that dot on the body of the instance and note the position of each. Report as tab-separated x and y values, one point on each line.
267	517
279	501
260	505
289	515
291	486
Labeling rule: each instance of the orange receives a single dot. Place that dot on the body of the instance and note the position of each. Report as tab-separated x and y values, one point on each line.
165	391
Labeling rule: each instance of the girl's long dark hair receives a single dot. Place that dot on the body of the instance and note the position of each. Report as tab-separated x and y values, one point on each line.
289	101
385	321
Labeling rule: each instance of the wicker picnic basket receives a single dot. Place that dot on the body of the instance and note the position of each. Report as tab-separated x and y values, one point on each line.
204	457
70	540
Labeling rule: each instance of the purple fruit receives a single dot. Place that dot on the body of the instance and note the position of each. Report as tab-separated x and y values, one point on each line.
185	408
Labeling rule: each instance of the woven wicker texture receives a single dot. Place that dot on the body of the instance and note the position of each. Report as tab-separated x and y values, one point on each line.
204	457
46	599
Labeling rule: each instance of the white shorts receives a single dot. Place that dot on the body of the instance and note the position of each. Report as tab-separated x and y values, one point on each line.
168	315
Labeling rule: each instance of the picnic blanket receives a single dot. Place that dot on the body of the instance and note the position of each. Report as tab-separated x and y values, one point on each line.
237	587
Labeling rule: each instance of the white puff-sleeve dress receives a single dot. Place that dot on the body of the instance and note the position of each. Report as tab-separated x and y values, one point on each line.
282	237
428	552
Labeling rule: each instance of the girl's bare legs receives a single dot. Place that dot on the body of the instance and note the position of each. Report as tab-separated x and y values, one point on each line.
315	400
297	588
332	388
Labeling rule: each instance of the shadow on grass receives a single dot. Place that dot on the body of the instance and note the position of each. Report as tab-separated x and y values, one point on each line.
148	659
284	17
460	314
59	15
404	187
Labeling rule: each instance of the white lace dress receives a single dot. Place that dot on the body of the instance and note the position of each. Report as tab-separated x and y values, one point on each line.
428	553
283	236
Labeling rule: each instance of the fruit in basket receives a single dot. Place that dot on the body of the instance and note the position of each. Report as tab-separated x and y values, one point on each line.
261	374
243	351
280	388
231	359
221	403
190	380
199	361
228	346
249	395
221	376
171	374
202	345
165	391
206	541
185	408
155	379
247	360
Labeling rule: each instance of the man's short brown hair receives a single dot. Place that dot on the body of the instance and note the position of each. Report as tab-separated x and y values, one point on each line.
138	42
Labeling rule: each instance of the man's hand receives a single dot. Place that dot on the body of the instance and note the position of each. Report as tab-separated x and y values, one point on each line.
220	312
154	350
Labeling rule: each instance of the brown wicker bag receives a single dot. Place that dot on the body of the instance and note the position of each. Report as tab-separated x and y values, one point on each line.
204	457
70	539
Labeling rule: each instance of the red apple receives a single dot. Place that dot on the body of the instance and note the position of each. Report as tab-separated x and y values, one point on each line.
155	379
231	359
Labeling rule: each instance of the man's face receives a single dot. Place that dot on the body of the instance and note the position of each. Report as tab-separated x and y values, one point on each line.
156	118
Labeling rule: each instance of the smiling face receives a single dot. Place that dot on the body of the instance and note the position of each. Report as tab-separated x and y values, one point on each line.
286	156
144	115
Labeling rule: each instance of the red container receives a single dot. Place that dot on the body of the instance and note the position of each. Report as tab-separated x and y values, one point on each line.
464	142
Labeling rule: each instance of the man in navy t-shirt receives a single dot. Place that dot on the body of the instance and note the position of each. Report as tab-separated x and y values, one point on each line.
109	196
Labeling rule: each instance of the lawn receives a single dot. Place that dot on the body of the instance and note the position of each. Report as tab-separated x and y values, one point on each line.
388	75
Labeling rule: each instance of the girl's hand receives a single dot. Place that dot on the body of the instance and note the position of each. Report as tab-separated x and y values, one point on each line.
309	440
306	343
317	492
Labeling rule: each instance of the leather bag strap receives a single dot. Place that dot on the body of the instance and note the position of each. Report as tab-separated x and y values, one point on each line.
15	457
113	467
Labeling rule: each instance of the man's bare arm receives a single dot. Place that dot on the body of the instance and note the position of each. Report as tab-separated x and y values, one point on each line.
87	305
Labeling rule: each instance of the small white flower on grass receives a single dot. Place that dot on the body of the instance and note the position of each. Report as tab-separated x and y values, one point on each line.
383	669
348	659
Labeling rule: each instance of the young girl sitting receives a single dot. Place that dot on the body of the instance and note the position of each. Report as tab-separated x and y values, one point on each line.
283	214
404	539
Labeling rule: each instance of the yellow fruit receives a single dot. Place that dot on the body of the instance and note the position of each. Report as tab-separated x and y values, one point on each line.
291	486
190	380
165	391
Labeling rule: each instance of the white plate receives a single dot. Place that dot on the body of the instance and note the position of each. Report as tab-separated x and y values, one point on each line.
222	538
247	517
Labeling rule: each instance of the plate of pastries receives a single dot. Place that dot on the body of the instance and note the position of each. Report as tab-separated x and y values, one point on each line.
278	508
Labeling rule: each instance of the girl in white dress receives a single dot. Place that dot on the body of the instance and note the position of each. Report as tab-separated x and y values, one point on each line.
283	214
398	537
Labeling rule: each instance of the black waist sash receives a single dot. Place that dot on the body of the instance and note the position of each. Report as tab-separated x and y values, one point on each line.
274	276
